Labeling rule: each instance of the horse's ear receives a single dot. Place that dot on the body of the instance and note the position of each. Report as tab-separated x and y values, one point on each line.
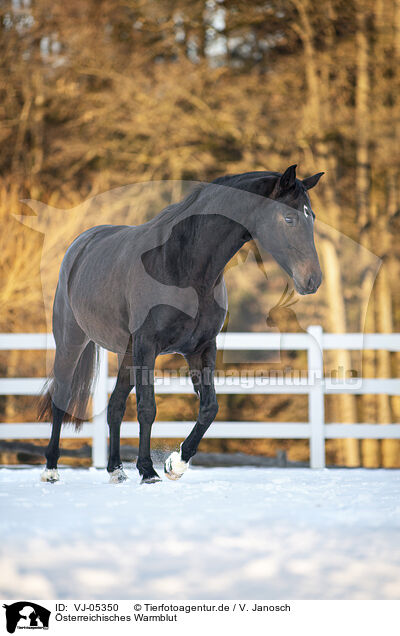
310	182
286	181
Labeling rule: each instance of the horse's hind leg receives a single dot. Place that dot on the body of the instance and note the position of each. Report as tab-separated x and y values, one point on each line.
65	364
115	413
52	453
73	367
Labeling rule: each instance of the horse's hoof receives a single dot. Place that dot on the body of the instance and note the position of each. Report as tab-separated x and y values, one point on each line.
174	466
150	480
118	476
50	475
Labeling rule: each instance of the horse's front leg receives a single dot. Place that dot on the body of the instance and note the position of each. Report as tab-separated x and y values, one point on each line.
144	356
201	368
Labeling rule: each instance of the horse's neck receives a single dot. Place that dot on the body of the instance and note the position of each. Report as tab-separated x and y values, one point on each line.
196	252
216	240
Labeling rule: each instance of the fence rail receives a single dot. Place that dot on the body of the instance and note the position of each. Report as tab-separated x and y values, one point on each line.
315	385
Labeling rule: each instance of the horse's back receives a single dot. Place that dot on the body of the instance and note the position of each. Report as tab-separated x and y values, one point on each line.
93	236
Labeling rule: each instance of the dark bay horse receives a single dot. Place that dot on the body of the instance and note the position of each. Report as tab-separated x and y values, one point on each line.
158	288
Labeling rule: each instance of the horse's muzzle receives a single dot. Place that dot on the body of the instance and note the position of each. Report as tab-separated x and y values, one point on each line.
310	285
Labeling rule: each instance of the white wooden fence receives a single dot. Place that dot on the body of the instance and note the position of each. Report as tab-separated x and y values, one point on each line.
315	342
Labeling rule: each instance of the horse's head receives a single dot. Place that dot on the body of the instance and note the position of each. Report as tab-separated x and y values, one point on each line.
284	224
286	228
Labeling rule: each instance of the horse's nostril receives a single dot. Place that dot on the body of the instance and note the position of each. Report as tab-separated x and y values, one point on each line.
311	284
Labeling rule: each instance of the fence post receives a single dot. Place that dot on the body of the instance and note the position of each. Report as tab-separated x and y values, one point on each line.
100	395
316	406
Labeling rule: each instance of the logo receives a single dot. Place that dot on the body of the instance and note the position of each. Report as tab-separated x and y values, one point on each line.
26	615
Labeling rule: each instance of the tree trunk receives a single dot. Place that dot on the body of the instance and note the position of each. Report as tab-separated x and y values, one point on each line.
349	448
362	116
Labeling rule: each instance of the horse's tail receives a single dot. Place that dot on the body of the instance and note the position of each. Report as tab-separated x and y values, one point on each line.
83	380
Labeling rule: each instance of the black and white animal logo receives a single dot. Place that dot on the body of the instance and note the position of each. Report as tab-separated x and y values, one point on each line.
26	615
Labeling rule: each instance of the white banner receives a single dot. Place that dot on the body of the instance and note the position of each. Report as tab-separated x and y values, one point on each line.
177	617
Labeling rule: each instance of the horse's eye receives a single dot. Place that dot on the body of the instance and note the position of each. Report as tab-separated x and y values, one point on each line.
307	212
291	218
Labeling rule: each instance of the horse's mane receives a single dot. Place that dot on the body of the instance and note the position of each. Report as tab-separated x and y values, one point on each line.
260	182
174	210
257	182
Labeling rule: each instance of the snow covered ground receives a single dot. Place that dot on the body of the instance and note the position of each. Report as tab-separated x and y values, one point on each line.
217	533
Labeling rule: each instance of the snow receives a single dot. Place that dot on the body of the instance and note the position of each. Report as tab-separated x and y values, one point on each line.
220	533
